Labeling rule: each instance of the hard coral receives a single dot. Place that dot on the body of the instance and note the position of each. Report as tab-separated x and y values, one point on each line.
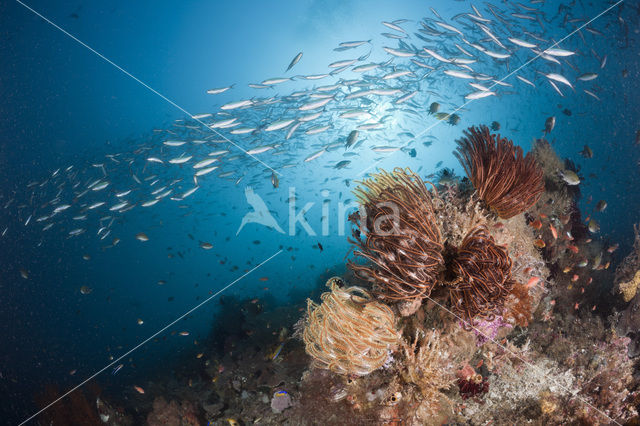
483	277
508	182
349	333
401	237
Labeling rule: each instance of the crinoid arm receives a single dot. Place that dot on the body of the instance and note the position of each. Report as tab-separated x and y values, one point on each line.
397	234
508	182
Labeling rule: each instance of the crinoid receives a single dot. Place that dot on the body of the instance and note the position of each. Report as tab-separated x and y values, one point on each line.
508	182
348	332
482	277
397	233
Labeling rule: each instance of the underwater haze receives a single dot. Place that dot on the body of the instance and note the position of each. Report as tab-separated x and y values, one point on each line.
178	178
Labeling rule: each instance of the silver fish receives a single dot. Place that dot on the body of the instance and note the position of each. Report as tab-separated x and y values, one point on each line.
294	61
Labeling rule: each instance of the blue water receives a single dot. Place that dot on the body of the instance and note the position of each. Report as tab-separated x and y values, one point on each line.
63	105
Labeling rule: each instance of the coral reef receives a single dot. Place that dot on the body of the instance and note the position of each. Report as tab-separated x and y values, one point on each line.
401	239
456	315
349	333
508	182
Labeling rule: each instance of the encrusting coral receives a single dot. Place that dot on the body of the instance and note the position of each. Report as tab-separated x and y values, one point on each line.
627	276
508	182
348	332
629	288
401	238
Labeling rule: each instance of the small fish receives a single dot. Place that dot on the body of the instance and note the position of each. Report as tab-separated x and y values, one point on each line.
236	105
342	164
85	289
320	246
139	321
586	152
24	274
480	94
274	180
454	119
280	124
139	389
593	226
206	246
549	124
536	224
495	126
601	205
593	95
141	236
294	61
259	150
117	368
352	138
276	352
315	155
524	80
219	90
559	52
180	160
533	281
539	243
522	43
559	78
573	248
184	333
569	177
588	76
554	232
385	149
434	108
613	248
